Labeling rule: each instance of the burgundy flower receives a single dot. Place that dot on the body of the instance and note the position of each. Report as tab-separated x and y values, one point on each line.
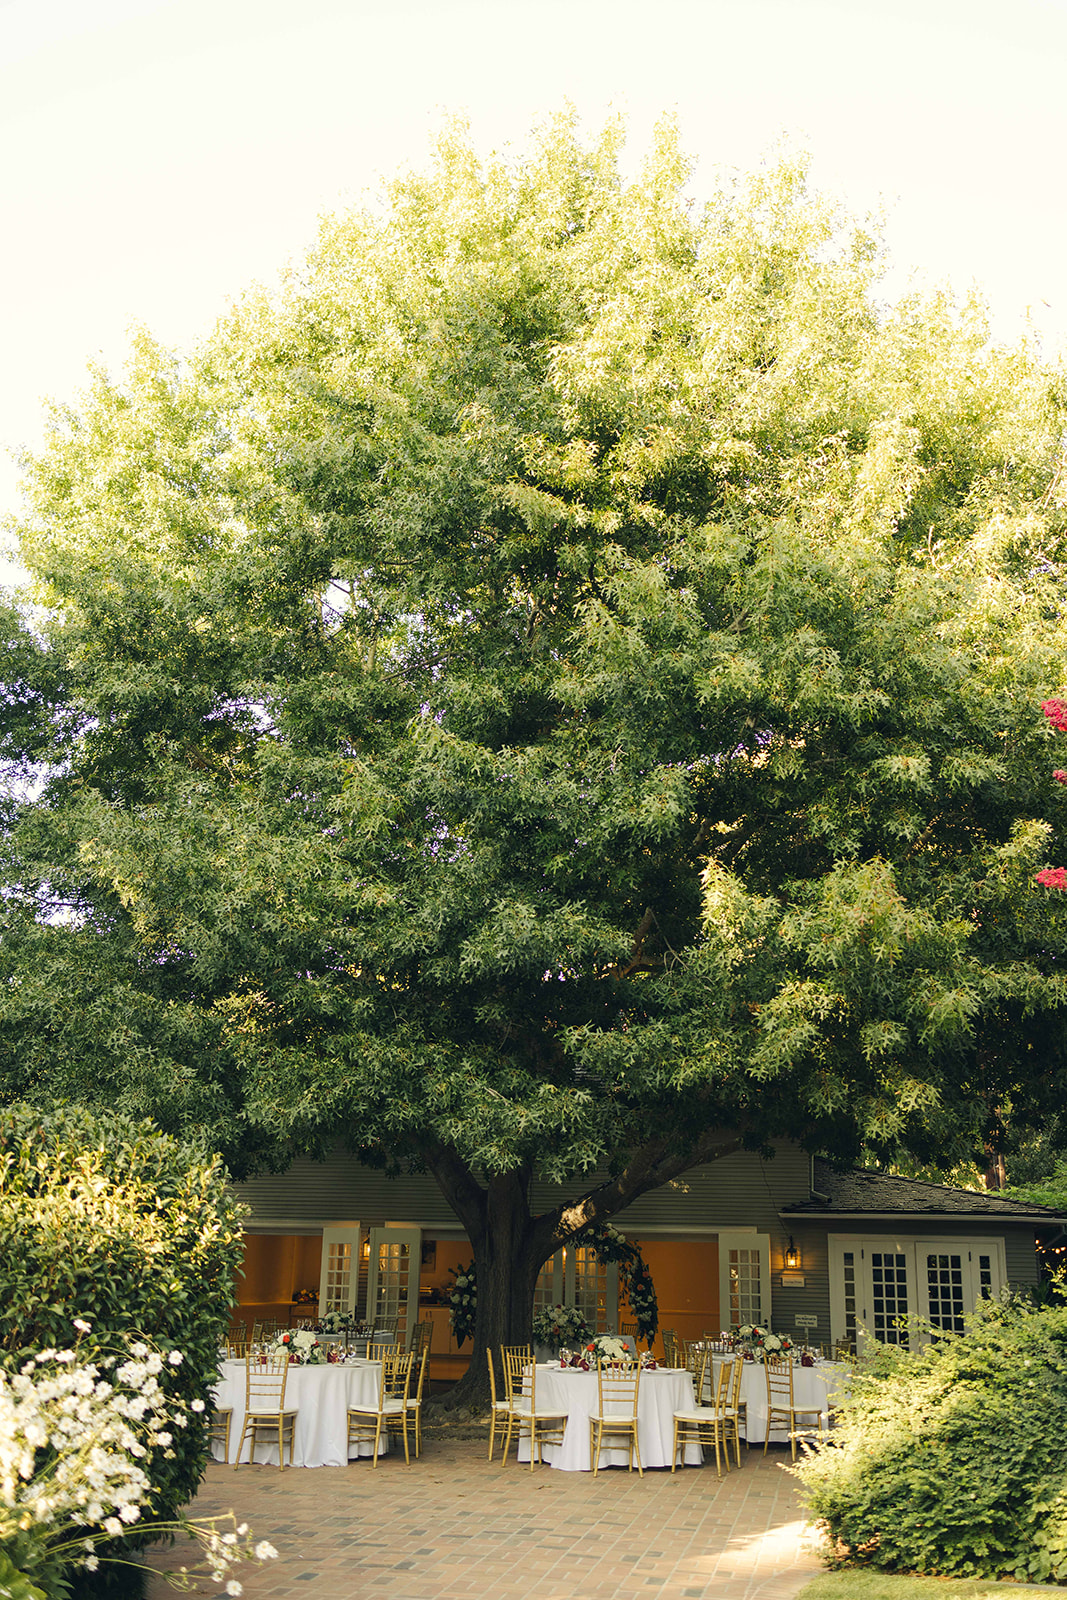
1052	877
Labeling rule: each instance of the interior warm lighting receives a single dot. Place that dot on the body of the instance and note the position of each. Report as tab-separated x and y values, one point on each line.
792	1254
364	1249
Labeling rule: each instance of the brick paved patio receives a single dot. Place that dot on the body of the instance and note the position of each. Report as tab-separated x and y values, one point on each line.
450	1526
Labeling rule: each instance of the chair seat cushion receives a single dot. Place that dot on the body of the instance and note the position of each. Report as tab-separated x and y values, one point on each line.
705	1415
269	1416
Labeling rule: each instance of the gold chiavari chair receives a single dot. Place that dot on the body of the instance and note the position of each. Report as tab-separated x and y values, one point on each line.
738	1408
421	1337
616	1415
781	1406
390	1415
672	1352
414	1401
628	1330
545	1427
265	1410
706	1424
498	1415
218	1427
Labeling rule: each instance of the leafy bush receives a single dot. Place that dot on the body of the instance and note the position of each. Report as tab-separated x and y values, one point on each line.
110	1221
950	1460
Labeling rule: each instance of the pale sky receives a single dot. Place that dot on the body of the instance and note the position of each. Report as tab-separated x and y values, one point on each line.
160	155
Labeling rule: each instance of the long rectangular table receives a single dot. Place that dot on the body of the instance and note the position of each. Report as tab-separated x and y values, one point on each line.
662	1392
320	1396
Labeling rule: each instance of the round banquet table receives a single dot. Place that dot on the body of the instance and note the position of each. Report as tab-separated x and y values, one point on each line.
814	1387
320	1396
662	1392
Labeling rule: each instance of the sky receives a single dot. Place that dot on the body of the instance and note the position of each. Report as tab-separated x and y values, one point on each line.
159	156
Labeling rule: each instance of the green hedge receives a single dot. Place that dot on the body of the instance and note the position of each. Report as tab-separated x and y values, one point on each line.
109	1220
951	1461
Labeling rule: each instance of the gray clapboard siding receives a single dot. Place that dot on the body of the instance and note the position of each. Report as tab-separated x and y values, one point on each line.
739	1191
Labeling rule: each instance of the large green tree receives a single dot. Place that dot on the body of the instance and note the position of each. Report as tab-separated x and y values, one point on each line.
554	689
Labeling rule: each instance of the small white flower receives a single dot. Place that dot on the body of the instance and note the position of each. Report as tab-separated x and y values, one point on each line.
83	1326
265	1551
112	1525
175	1358
196	1405
233	1587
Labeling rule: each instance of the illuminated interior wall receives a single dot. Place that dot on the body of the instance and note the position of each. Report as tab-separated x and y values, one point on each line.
276	1265
686	1278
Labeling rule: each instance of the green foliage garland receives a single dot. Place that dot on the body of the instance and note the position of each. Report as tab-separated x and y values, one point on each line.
950	1461
611	1246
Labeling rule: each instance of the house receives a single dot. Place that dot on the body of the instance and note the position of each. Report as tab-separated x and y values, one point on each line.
818	1253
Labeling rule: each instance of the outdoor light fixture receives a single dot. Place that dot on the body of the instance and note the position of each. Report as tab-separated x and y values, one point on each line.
792	1255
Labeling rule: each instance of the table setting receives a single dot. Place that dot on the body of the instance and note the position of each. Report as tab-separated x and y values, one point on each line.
573	1389
320	1393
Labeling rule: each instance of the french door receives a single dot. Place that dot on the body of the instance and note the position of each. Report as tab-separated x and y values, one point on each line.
393	1281
574	1277
744	1279
876	1283
339	1273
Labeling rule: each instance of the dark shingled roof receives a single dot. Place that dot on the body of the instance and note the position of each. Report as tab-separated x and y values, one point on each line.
854	1193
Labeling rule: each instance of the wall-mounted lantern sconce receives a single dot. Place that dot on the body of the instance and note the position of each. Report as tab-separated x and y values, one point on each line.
792	1255
364	1249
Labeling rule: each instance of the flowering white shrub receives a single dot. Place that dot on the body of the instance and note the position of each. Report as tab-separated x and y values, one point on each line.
77	1439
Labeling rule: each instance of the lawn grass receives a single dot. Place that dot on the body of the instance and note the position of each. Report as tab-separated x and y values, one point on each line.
852	1585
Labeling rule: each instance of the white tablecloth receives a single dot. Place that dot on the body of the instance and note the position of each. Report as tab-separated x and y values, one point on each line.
812	1386
662	1393
320	1396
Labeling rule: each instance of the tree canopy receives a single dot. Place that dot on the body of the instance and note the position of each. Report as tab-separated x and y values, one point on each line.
554	687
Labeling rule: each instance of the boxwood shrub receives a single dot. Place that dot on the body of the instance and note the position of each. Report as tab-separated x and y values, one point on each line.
950	1461
109	1220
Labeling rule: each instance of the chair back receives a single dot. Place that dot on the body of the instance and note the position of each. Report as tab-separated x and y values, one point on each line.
378	1352
628	1330
519	1372
779	1375
618	1383
715	1341
421	1337
698	1362
396	1374
737	1366
844	1350
671	1355
265	1383
237	1349
418	1368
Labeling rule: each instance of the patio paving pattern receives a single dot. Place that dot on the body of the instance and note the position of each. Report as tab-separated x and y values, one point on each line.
451	1526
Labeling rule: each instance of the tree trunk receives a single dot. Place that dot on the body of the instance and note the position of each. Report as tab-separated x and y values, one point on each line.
510	1248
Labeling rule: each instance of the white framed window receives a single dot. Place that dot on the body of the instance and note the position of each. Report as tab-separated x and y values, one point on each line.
744	1279
875	1282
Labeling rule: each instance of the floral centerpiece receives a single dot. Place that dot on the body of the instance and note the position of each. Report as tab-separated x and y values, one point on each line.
759	1343
556	1326
606	1347
299	1346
